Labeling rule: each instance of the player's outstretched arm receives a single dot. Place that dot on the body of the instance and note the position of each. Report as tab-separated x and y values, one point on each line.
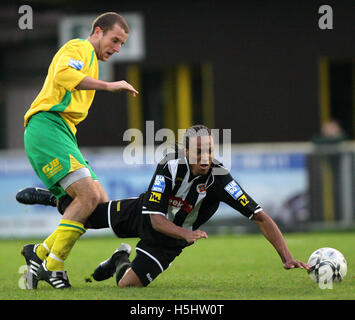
89	83
271	232
165	226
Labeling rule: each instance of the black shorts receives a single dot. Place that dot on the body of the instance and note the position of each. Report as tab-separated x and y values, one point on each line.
152	258
124	217
150	261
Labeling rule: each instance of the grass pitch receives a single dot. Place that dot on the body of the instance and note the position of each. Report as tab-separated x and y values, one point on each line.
223	267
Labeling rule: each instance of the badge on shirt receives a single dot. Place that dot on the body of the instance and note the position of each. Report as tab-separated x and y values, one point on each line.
159	183
243	200
201	188
233	189
155	197
76	64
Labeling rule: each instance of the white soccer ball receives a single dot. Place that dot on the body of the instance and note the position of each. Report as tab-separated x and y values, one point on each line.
328	265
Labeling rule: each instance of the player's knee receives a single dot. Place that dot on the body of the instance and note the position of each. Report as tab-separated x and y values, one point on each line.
89	197
92	199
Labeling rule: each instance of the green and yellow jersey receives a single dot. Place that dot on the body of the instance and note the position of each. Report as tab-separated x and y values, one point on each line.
71	64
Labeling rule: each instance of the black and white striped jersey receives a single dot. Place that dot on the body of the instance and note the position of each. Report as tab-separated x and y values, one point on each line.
190	201
184	199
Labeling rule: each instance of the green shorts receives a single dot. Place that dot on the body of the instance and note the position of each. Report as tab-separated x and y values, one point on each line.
52	150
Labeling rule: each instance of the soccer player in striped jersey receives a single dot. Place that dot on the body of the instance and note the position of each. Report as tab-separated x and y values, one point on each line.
184	193
51	145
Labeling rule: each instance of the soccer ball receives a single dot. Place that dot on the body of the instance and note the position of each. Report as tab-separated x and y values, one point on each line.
328	265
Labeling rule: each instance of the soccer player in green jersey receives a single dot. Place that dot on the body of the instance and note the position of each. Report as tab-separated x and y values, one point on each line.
51	146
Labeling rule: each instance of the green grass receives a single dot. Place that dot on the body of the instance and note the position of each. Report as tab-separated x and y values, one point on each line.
228	267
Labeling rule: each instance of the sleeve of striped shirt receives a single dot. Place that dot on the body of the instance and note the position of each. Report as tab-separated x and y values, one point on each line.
156	199
231	193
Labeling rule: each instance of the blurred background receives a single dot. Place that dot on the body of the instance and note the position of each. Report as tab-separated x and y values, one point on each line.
264	69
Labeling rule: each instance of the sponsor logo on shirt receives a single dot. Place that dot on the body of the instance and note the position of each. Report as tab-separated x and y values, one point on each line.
179	203
243	200
233	189
159	183
155	197
76	64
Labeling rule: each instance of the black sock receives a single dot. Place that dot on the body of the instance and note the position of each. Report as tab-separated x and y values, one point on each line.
98	219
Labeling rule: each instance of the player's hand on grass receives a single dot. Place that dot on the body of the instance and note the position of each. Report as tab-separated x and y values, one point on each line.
121	86
192	236
292	264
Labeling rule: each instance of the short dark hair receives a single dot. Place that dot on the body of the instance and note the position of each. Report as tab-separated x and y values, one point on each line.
198	130
107	20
